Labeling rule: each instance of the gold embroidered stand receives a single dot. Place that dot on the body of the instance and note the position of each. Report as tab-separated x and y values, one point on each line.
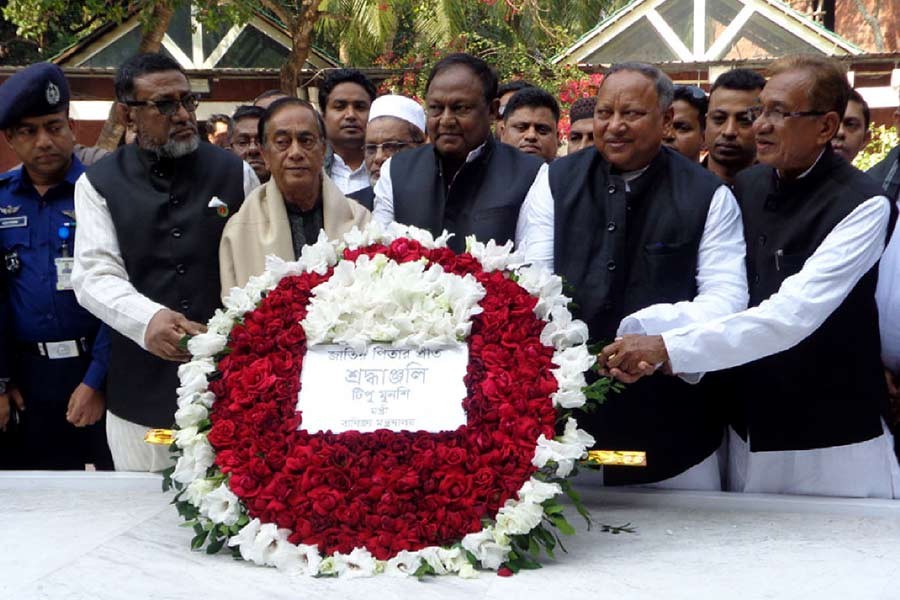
624	458
161	437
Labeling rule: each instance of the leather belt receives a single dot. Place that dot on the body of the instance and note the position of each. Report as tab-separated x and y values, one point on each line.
58	350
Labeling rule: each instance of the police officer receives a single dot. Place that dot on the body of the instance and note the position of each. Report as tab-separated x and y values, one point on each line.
52	379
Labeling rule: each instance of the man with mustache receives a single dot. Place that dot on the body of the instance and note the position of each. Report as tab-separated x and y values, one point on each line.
396	123
581	125
245	140
808	382
853	135
149	220
53	353
345	98
648	240
464	181
530	123
729	131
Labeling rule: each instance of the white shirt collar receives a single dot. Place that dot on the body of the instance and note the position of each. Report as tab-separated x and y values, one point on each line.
339	162
807	172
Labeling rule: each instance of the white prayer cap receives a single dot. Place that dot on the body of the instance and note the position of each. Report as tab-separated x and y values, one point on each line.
399	107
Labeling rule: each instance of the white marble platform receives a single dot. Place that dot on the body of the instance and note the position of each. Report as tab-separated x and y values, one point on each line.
93	536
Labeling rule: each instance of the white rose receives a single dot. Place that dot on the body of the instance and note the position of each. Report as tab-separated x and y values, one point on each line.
573	435
197	458
239	301
193	376
320	256
538	491
188	436
431	555
404	564
563	331
574	360
264	544
485	548
221	506
221	322
518	518
296	560
568	398
197	489
205	345
245	537
359	563
491	256
279	268
190	414
441	240
257	284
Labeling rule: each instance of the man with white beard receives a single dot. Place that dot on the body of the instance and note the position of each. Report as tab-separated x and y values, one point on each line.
149	221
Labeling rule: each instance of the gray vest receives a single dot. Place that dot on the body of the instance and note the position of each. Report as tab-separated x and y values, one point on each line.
169	241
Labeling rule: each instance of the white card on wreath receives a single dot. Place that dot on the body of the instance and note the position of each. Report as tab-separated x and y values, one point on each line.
383	388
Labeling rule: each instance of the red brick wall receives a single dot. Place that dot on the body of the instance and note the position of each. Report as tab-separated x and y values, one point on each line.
849	23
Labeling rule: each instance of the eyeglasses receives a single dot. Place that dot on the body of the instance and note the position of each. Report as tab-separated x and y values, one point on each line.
169	107
695	92
389	148
776	116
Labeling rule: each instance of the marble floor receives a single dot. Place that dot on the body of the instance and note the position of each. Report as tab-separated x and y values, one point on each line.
99	536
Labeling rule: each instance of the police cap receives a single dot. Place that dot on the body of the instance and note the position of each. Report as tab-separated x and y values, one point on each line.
37	90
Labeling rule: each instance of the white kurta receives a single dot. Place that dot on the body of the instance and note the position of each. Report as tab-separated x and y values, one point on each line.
888	298
802	303
721	285
102	286
346	179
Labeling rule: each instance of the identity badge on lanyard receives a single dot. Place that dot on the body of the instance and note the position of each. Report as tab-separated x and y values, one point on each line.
64	263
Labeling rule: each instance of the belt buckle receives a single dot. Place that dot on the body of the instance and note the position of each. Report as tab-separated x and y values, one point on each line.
66	349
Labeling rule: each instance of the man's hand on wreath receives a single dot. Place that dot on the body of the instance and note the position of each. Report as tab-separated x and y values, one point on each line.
632	357
164	333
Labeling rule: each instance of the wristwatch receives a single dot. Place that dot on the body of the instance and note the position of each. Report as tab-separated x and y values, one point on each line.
4	383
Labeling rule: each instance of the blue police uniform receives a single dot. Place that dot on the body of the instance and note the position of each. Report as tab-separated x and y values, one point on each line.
50	343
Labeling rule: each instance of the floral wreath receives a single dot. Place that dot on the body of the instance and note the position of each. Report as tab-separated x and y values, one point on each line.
394	502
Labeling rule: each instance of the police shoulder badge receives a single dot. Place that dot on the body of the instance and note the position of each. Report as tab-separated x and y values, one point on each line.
52	94
9	210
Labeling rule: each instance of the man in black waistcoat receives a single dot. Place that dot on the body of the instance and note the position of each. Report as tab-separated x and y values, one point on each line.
464	181
648	240
146	262
811	392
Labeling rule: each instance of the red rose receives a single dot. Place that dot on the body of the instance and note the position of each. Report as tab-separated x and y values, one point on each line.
221	435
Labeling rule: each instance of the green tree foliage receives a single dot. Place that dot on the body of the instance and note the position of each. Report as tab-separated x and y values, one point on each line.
884	138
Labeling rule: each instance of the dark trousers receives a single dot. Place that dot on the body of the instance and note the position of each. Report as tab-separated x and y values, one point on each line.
46	441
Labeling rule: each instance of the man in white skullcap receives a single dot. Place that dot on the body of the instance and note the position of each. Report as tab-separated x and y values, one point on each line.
395	123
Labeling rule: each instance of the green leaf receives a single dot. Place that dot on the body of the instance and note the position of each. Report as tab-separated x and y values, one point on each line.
216	545
552	508
199	540
560	522
167	478
424	570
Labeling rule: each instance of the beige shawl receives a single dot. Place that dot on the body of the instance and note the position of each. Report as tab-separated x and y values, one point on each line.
261	227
